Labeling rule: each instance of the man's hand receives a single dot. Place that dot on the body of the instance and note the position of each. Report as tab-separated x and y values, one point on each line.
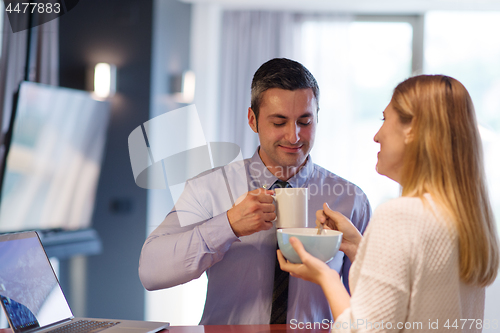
334	220
255	213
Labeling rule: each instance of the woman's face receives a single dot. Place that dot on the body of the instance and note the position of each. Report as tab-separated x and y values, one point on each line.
393	137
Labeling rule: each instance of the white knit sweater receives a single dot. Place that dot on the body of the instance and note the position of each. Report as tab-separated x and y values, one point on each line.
406	275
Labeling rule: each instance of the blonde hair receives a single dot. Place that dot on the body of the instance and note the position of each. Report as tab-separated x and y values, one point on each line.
445	159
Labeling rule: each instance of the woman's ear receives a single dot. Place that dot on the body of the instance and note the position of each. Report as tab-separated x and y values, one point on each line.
408	134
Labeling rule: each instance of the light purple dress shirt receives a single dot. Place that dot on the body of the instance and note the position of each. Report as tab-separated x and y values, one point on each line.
240	270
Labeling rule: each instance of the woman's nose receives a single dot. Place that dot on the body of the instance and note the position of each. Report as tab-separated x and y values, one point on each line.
375	138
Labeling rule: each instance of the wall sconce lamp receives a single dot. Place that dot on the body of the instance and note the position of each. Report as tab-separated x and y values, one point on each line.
104	80
182	87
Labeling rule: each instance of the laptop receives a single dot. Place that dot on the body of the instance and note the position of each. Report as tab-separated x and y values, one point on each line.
33	300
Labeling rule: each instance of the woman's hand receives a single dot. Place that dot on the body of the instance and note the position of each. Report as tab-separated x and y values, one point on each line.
312	269
334	220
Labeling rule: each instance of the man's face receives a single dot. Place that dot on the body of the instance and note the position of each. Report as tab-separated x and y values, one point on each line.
287	126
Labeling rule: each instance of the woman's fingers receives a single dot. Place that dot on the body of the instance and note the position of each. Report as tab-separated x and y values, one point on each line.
311	269
286	265
322	219
298	247
326	226
281	259
329	217
320	216
335	216
337	219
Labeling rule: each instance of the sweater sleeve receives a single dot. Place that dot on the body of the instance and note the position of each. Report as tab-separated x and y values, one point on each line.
381	290
360	218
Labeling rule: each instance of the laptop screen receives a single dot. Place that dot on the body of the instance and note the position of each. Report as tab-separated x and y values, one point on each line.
29	290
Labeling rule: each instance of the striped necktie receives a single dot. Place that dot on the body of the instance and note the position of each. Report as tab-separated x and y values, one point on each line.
280	289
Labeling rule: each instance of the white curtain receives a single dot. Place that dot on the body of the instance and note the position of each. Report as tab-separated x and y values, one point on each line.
339	53
325	52
47	53
43	65
248	39
12	64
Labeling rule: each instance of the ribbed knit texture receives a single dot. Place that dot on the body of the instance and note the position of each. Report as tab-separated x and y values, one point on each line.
407	271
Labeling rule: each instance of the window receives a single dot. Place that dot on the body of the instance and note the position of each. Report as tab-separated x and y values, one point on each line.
357	63
358	60
466	46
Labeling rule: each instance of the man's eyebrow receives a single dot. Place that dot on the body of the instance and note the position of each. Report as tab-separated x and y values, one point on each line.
307	114
277	115
281	116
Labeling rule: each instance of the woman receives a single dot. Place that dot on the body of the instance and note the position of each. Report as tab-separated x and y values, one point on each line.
426	257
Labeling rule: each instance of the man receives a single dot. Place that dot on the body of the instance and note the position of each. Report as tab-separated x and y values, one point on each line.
237	248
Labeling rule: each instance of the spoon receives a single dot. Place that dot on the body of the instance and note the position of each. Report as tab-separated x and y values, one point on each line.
320	229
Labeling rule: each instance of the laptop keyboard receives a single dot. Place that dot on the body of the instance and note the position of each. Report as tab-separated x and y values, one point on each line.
85	326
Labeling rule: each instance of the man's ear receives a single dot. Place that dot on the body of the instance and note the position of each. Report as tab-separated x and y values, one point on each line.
252	120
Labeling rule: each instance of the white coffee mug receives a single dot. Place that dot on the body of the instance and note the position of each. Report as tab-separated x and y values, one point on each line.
291	207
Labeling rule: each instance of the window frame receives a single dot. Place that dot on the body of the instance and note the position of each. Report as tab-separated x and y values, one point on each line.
417	22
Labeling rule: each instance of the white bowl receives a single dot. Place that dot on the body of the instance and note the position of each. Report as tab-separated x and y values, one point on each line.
323	247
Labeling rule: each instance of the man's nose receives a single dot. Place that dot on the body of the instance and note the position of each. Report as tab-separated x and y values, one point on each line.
292	134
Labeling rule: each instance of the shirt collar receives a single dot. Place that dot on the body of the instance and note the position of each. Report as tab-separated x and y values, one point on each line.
260	175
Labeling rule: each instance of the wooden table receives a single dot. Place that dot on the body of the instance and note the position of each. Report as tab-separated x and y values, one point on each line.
232	329
241	329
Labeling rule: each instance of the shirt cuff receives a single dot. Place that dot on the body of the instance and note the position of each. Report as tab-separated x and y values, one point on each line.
218	234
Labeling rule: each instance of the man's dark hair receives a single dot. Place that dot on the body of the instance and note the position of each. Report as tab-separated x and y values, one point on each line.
284	74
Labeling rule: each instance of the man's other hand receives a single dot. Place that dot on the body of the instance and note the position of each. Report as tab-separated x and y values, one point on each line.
254	213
